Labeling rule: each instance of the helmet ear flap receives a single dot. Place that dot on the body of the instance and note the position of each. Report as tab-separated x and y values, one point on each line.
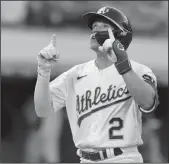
118	36
122	36
125	40
117	33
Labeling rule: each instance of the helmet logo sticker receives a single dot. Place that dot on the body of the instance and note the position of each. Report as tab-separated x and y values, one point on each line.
123	33
120	46
103	10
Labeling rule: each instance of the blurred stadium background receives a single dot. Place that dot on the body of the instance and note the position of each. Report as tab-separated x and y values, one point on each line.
26	27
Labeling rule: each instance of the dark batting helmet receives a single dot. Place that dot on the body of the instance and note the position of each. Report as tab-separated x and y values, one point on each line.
122	25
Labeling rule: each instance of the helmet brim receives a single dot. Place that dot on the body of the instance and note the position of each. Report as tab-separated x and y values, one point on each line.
91	17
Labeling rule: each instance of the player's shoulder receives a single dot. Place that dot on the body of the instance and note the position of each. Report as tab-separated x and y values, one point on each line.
139	67
72	72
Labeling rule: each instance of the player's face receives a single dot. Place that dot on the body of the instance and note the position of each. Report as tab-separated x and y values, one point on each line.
96	27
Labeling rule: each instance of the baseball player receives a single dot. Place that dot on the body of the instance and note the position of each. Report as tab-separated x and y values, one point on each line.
104	97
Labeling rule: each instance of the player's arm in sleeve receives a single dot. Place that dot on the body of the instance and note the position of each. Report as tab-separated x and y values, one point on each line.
49	96
148	76
42	96
142	86
142	89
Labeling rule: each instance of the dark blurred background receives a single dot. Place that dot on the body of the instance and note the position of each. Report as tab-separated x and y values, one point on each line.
27	27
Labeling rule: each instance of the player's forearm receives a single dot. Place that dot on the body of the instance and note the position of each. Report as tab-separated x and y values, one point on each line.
42	97
142	92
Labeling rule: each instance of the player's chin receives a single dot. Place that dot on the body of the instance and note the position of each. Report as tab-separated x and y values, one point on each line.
94	44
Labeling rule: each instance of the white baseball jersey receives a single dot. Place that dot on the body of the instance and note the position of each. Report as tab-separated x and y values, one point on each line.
100	109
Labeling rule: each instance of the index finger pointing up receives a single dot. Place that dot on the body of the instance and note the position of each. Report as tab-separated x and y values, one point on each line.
111	35
53	41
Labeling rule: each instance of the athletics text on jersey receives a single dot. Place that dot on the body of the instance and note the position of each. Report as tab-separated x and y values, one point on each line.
100	109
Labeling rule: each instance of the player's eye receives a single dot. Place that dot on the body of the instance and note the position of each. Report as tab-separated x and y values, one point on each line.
94	26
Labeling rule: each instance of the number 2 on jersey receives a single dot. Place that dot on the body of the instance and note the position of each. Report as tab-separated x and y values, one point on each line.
119	121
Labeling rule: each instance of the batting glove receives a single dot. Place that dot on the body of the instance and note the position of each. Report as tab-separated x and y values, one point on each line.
123	63
107	48
47	57
119	56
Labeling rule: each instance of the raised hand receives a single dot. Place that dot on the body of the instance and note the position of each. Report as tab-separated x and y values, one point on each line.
107	46
48	55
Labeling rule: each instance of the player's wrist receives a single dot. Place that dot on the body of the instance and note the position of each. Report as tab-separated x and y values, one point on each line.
123	67
44	71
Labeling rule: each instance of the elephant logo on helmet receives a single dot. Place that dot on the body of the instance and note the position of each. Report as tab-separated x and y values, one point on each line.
103	10
120	46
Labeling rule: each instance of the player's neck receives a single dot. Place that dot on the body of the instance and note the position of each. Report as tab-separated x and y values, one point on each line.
102	61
